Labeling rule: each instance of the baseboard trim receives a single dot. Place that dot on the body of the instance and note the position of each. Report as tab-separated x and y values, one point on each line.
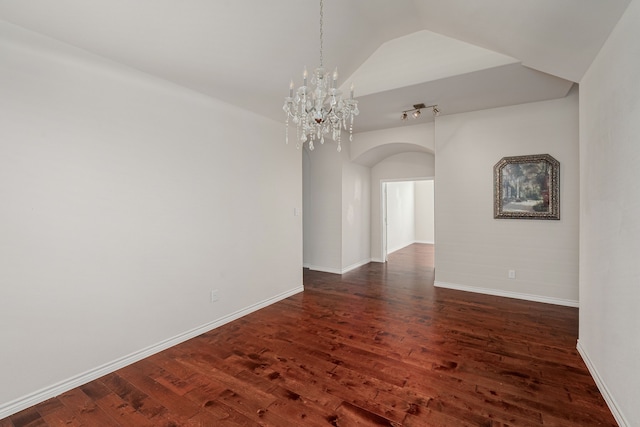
57	389
337	270
397	248
356	265
508	294
604	390
421	242
323	269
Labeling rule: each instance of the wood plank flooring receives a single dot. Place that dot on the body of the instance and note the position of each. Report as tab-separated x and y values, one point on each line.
379	346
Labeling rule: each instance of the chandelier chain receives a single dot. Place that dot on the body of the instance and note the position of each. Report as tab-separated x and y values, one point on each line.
321	32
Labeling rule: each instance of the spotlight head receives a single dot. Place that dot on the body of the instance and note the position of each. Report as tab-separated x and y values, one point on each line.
435	110
416	114
404	116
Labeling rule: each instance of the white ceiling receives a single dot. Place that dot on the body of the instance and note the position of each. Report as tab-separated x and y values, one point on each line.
244	52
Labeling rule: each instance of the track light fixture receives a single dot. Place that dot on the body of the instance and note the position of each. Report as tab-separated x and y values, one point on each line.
417	111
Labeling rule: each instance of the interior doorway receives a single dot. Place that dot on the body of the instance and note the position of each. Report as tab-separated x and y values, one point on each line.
407	212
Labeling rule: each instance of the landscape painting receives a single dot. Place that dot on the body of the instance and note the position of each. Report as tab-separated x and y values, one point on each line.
527	187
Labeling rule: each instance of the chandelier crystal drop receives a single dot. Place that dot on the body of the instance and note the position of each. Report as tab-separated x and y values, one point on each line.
318	110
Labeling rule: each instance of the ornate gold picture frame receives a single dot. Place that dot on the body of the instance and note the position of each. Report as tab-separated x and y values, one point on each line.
527	187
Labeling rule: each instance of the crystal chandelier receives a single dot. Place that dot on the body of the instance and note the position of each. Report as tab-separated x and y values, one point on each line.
319	109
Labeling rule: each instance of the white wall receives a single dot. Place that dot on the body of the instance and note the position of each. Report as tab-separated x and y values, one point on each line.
420	135
474	250
404	166
356	206
307	209
610	218
125	201
401	219
336	212
424	211
323	208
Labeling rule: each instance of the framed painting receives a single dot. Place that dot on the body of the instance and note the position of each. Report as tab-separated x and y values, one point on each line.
527	187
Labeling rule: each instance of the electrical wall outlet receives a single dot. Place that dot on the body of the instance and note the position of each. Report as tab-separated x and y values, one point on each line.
215	295
511	274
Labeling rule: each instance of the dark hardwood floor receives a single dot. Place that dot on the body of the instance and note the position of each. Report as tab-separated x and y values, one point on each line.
379	346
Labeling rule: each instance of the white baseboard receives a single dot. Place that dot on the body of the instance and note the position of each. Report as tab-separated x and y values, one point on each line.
17	405
397	248
377	260
422	242
356	265
337	270
606	394
323	269
508	294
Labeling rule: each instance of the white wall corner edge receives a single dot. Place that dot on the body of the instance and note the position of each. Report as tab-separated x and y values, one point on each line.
508	294
21	403
604	390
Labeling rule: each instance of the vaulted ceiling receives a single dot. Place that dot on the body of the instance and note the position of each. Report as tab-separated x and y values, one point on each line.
460	54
